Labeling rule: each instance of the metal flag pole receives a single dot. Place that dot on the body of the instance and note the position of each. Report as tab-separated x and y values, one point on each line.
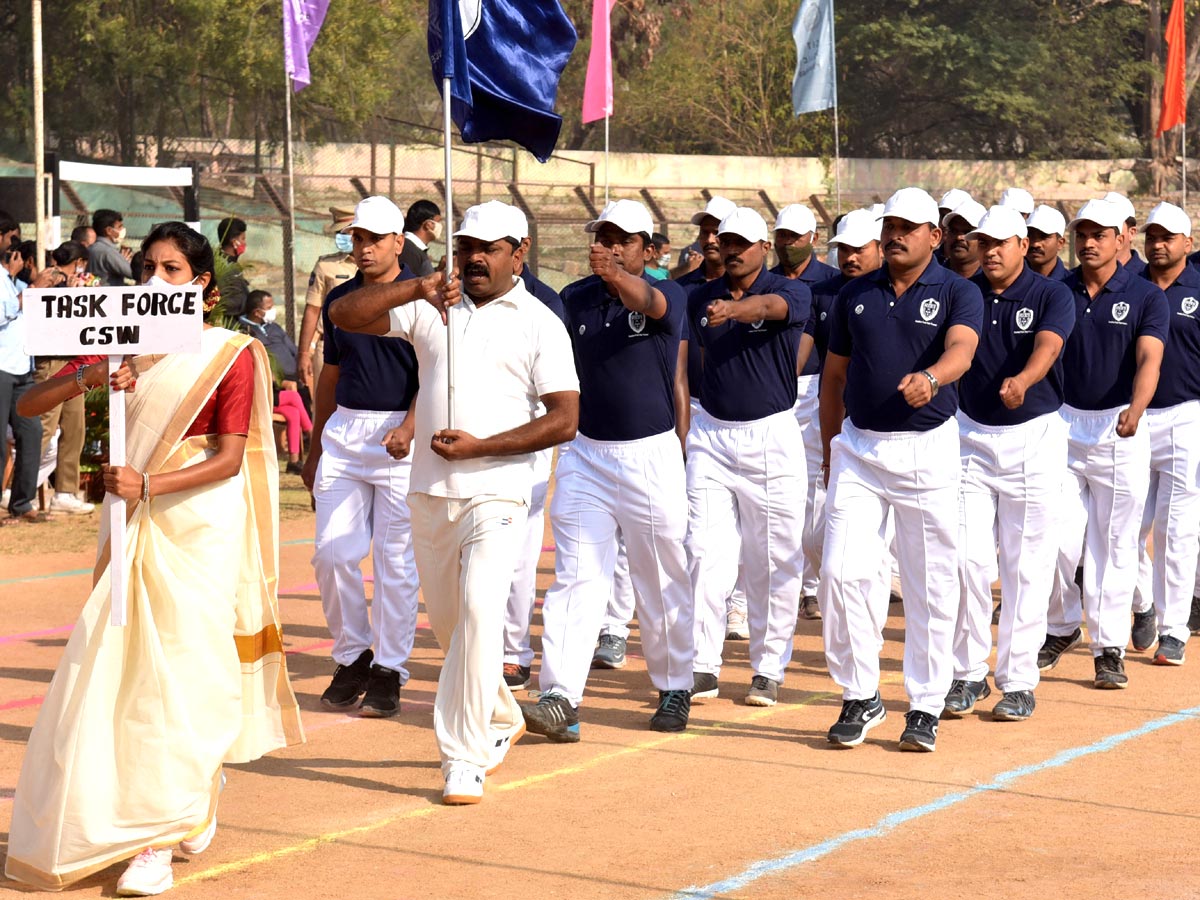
289	236
1183	160
837	144
607	116
448	218
39	136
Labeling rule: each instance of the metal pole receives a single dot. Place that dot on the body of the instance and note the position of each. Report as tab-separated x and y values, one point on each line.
39	137
837	144
448	218
289	228
607	116
1183	160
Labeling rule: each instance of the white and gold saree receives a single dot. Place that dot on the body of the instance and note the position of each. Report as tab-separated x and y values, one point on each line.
128	746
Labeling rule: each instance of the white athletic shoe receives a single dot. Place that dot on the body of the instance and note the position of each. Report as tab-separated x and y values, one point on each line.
464	783
149	873
736	628
70	504
502	746
197	845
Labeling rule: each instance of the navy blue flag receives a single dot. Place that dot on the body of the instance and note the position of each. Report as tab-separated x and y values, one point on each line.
503	59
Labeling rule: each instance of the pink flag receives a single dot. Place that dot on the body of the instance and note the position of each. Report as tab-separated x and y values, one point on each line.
598	86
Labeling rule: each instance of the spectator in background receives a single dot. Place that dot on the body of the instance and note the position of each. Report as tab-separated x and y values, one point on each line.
331	270
258	321
10	230
29	265
662	257
84	234
231	238
422	226
107	259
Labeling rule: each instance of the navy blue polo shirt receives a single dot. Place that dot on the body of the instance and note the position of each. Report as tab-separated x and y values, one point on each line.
887	337
1060	272
814	273
1179	378
749	368
1100	358
374	372
548	295
1011	323
695	362
626	360
824	294
1136	265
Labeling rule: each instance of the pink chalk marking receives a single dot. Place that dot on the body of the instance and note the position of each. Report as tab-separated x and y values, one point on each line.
28	635
22	704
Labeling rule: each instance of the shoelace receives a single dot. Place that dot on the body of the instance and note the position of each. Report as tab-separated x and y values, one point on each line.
674	703
759	683
147	857
512	669
923	720
556	707
610	641
855	710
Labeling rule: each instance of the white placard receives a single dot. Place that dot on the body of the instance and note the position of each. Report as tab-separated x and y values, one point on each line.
112	321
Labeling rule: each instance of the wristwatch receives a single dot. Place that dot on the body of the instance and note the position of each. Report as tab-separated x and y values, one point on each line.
933	382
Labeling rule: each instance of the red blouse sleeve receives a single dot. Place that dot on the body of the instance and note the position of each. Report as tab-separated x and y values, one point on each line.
76	364
228	409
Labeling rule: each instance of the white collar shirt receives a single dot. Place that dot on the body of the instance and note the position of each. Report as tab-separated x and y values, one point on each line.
507	354
413	239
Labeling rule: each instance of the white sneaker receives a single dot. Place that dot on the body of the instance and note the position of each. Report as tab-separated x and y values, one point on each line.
149	873
897	594
464	783
736	628
502	746
197	845
69	503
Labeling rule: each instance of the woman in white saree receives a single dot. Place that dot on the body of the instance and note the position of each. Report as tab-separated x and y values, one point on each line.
125	759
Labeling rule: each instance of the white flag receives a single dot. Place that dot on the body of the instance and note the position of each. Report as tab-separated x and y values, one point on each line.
814	85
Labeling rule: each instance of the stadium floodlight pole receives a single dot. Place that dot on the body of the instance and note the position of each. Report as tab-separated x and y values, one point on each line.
39	136
448	218
289	235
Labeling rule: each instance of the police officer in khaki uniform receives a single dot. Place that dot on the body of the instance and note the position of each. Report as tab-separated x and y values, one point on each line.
331	270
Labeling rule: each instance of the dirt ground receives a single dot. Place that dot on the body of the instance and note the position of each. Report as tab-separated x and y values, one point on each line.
1097	795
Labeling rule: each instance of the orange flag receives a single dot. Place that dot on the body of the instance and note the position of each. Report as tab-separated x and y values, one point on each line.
1174	97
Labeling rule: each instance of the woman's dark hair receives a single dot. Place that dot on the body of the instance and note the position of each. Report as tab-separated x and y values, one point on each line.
230	229
67	252
192	244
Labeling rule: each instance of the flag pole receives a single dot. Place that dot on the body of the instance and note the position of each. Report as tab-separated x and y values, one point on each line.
607	116
448	217
289	236
837	144
1183	160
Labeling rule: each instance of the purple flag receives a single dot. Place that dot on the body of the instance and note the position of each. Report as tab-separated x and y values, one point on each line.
302	20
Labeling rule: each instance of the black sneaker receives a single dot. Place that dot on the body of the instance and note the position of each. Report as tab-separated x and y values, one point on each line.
857	718
1110	670
920	731
763	691
348	682
554	717
963	695
1145	630
516	676
1055	646
1169	652
382	699
1194	618
996	615
704	684
810	608
1016	706
673	710
610	652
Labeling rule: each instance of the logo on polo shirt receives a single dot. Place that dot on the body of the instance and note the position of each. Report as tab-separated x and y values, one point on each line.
637	322
857	310
704	321
582	329
823	315
756	326
1024	318
1120	310
929	309
1189	305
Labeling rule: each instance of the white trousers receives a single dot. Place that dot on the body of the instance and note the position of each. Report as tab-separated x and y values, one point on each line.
466	550
621	605
522	596
1172	513
1011	481
635	488
916	475
809	419
746	502
1103	497
362	508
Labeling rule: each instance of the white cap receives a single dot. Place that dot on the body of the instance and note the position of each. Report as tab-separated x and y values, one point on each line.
1048	220
913	205
628	215
1121	202
746	223
718	208
378	215
493	221
1170	217
1001	222
1019	199
857	228
1103	213
796	217
953	198
876	210
970	211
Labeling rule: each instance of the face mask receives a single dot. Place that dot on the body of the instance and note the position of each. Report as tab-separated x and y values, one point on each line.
80	270
269	316
160	283
664	260
437	231
793	255
120	234
344	242
239	247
